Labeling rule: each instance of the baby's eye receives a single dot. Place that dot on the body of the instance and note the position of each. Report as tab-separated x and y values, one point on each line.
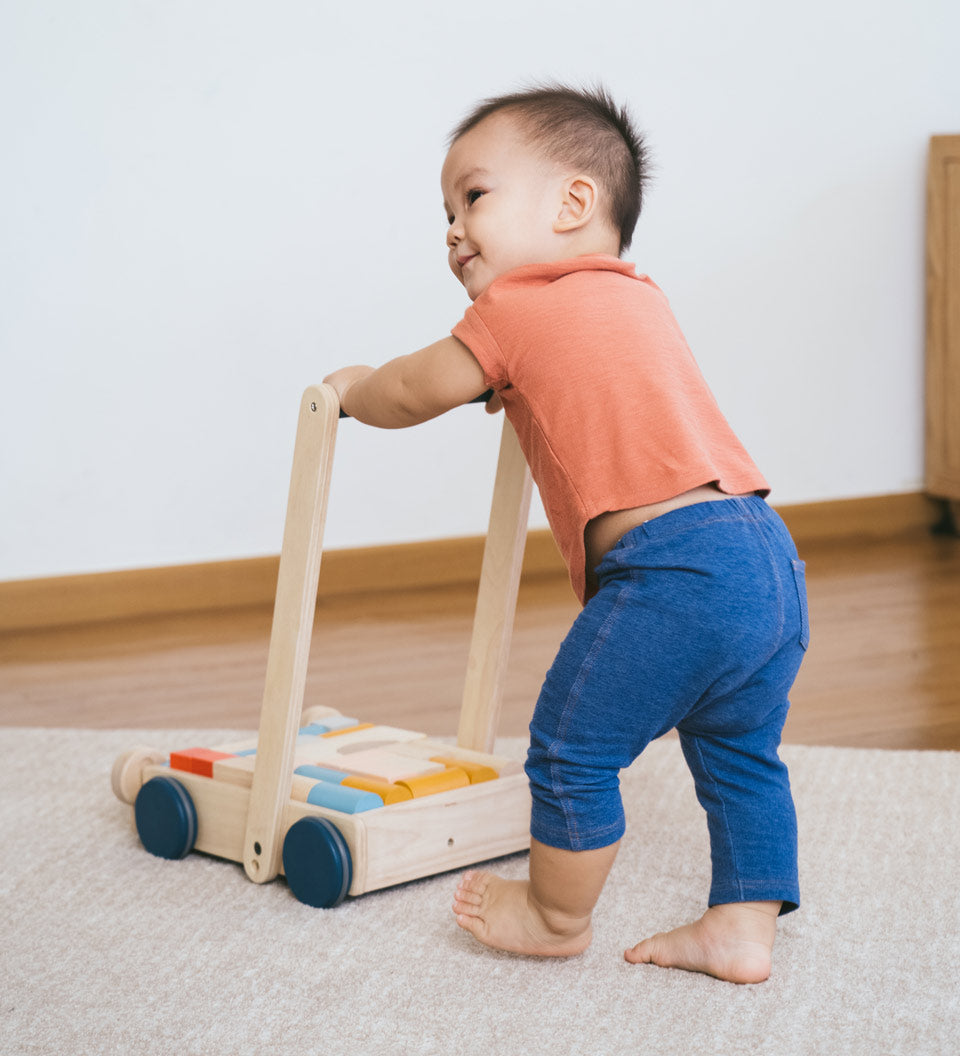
473	195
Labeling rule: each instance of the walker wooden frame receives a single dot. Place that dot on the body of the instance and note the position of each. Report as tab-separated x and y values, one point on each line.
399	841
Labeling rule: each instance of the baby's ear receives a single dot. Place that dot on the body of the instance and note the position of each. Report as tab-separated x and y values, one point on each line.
578	205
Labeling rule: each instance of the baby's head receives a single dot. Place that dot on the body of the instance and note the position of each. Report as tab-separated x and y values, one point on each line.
539	176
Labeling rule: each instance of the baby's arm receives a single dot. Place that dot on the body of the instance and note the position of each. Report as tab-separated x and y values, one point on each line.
411	389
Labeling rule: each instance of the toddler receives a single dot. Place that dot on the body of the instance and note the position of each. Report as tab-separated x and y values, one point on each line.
694	608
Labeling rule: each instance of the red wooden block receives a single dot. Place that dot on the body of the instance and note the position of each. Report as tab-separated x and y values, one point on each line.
196	760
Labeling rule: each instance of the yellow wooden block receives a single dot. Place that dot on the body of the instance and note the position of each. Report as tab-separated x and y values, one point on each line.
348	729
476	772
430	784
389	792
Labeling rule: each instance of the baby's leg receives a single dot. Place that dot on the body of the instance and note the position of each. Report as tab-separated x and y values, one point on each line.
547	915
745	790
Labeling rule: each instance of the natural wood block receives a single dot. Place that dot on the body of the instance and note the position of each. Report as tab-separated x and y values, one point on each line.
427	749
236	747
235	770
300	787
347	726
382	764
369	736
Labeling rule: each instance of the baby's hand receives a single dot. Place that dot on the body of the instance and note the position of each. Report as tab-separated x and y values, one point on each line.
345	377
494	404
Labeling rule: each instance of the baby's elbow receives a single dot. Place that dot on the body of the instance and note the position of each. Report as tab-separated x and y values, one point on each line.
410	407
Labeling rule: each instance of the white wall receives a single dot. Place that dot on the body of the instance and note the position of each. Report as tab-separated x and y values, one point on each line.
206	205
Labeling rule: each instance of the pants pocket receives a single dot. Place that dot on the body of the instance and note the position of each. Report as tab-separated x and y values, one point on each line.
800	579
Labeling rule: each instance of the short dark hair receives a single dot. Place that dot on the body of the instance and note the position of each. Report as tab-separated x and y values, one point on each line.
584	128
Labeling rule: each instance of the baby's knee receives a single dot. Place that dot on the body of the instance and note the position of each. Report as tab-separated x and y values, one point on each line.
575	807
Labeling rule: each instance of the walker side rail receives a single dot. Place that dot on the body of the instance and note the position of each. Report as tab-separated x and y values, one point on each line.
292	628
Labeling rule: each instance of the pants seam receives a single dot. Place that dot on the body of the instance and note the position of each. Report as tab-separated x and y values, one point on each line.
573	698
722	814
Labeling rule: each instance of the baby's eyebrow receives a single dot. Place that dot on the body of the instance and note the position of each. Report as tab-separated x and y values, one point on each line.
470	174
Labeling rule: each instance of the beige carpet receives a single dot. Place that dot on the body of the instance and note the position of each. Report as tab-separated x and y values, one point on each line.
105	949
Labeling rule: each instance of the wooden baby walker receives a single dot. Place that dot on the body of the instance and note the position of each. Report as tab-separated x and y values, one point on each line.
337	805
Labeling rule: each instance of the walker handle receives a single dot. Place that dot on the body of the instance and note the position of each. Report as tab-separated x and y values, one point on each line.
484	397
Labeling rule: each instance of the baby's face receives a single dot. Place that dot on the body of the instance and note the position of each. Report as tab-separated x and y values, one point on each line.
502	200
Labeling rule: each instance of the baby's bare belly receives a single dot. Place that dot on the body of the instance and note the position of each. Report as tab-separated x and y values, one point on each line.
603	532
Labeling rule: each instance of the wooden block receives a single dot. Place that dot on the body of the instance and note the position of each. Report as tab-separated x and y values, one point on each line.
387	791
306	741
235	770
300	787
348	726
476	772
182	761
368	736
322	773
317	713
427	749
431	784
196	760
342	798
383	765
333	751
248	744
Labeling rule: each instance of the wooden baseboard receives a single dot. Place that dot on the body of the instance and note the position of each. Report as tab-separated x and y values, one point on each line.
30	604
875	517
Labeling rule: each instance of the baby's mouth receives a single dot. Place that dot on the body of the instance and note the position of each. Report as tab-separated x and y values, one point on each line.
462	262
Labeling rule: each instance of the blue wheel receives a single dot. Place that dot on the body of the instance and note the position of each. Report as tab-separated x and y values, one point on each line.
316	861
166	818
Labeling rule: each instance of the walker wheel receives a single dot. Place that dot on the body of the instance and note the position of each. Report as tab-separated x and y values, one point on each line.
166	818
316	861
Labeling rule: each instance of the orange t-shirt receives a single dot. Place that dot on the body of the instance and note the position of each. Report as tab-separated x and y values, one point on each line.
608	403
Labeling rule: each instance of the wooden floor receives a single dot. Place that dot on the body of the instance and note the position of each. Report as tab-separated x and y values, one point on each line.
883	669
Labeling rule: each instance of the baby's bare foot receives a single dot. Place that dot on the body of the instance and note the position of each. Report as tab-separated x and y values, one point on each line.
732	942
500	913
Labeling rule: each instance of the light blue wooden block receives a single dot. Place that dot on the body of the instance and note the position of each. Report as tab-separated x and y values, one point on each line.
321	773
314	729
247	751
338	797
339	722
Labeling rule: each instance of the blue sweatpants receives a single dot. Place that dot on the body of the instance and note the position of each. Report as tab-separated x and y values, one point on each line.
699	624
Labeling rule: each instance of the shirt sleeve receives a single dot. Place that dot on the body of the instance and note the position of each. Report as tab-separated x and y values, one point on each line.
473	332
